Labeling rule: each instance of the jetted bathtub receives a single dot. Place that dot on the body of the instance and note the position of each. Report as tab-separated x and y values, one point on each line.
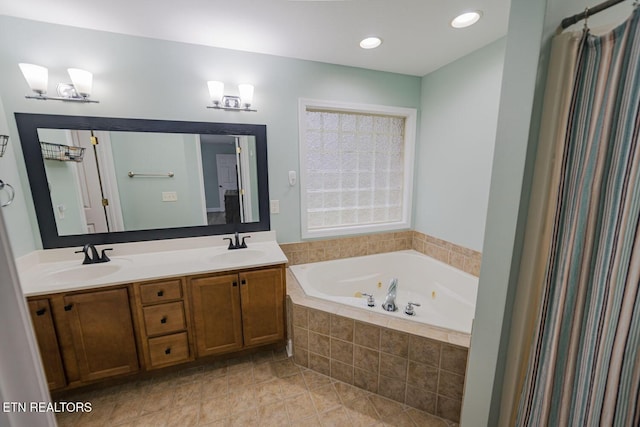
447	296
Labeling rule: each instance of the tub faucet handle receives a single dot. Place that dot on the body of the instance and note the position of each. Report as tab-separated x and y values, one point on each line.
370	301
408	310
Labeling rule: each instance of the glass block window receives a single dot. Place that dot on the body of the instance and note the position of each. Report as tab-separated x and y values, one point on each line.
356	171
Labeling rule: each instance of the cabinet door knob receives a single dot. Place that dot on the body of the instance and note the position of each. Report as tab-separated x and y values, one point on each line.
160	293
235	283
243	281
164	319
68	307
168	351
41	311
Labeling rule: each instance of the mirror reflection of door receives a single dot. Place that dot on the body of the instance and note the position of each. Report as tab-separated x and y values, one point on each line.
98	186
218	153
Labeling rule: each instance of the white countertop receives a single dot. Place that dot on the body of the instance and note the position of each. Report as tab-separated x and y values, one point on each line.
61	270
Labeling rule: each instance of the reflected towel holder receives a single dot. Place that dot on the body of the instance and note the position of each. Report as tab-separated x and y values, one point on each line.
156	175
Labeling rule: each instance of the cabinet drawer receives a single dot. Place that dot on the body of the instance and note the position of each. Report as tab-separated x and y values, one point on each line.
164	318
169	349
160	291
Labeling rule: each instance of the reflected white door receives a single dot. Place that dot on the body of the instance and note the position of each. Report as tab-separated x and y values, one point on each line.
90	185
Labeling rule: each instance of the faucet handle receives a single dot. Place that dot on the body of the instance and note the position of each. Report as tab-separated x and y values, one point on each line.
85	250
231	245
370	301
408	310
103	255
244	244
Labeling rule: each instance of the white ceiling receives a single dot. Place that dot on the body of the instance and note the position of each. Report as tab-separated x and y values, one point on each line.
417	37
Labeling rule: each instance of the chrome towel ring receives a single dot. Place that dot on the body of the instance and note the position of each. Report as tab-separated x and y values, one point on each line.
10	190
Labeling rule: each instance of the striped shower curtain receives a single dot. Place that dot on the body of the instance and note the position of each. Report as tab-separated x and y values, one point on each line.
584	363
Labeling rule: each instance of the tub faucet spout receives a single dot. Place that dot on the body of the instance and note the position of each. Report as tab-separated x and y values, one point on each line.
389	303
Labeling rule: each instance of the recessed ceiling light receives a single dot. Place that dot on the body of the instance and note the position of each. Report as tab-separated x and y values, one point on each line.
466	19
370	43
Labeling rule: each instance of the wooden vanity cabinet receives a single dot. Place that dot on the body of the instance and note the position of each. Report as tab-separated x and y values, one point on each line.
236	311
262	296
94	334
47	339
84	336
102	333
164	325
217	320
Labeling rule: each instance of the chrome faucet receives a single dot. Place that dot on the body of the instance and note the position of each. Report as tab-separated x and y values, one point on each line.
94	258
389	303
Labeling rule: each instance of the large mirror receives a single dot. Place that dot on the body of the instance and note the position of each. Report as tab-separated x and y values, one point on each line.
108	180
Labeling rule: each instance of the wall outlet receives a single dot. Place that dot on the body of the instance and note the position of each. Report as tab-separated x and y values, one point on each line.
169	196
275	206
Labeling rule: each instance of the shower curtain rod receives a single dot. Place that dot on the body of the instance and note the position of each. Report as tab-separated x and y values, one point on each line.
567	22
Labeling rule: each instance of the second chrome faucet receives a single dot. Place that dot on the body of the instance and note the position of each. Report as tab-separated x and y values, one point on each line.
389	303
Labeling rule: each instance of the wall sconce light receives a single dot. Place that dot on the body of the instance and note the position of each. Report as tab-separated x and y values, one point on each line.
230	103
38	78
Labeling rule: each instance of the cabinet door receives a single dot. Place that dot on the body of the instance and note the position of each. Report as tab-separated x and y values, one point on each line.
216	314
47	342
102	333
262	295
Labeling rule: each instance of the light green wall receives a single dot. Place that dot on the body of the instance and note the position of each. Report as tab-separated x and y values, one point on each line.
146	78
141	197
507	206
16	215
454	156
532	24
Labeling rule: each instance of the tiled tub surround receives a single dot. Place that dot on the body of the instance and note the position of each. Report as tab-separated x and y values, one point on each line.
419	365
457	256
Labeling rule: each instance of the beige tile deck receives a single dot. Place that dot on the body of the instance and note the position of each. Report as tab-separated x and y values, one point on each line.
266	389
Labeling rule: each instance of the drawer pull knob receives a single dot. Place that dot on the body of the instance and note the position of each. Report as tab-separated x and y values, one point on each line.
163	320
244	281
160	293
168	351
235	283
41	311
68	307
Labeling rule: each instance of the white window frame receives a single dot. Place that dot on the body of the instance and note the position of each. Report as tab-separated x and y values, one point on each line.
410	117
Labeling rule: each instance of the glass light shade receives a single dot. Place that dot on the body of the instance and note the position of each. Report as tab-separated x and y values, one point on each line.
246	94
82	81
216	91
36	76
466	19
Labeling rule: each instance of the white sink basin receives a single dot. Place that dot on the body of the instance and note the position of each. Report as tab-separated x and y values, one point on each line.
81	273
237	256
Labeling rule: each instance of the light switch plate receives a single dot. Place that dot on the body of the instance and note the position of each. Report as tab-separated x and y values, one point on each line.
275	206
169	196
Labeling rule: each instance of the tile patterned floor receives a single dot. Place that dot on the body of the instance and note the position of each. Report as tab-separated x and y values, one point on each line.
265	389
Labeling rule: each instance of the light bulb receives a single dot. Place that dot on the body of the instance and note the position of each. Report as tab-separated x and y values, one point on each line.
370	43
466	19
